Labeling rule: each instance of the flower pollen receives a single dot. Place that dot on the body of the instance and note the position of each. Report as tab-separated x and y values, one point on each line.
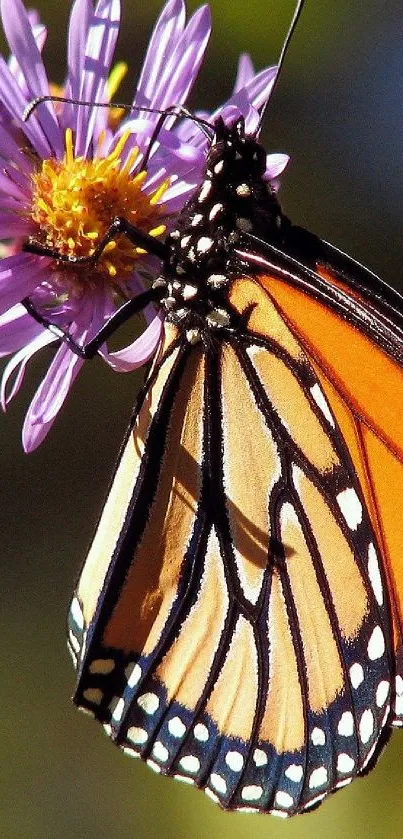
74	202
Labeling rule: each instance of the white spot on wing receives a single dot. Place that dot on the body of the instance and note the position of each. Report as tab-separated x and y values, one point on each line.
320	400
212	795
153	766
280	813
149	702
346	724
218	782
382	693
137	735
356	675
190	763
375	574
215	211
133	675
283	799
184	778
252	792
345	763
204	244
318	737
318	778
343	783
366	726
294	772
351	507
176	727
160	752
259	757
201	732
234	760
117	707
376	644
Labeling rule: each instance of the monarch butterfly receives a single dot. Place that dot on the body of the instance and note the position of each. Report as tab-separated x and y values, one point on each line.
238	621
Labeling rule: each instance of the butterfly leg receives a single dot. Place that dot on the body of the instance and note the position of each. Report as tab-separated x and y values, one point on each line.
87	351
119	226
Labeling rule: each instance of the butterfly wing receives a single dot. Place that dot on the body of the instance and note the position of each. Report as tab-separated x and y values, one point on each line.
350	324
214	628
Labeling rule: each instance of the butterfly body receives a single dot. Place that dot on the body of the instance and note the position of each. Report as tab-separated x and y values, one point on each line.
238	619
233	199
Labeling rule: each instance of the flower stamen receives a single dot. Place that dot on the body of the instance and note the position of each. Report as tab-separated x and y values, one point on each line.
75	200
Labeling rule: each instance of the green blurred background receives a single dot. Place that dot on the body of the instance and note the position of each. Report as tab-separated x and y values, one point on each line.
338	112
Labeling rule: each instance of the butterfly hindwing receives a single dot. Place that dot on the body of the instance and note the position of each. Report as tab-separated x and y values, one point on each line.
223	645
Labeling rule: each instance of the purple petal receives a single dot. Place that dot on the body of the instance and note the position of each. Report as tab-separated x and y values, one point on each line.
10	150
275	165
140	351
167	31
22	43
178	72
40	35
13	227
77	38
12	192
49	397
260	86
245	72
15	102
20	359
19	276
100	47
17	328
250	97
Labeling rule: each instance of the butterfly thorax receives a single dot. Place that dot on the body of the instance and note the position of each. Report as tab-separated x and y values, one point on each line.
233	202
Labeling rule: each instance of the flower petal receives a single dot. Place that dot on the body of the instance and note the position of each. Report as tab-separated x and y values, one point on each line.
79	25
275	165
19	276
40	34
20	359
166	32
177	72
102	35
15	102
139	352
245	72
49	397
17	328
22	43
80	17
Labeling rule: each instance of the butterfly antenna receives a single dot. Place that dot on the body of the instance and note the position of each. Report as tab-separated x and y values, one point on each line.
291	29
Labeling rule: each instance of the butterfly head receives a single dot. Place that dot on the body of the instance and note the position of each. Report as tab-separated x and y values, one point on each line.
235	155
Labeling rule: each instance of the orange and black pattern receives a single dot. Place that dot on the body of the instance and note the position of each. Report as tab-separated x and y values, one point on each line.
237	622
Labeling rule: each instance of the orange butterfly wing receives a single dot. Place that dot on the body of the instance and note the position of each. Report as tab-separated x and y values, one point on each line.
213	628
364	387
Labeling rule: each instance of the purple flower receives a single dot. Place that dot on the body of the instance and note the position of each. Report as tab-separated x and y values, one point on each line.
69	170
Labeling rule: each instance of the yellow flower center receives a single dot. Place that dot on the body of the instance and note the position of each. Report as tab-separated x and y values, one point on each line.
74	202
